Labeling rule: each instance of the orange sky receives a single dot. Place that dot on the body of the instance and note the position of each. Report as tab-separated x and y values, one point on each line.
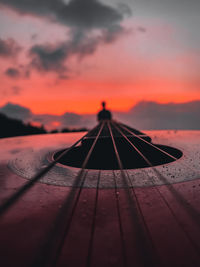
150	65
60	106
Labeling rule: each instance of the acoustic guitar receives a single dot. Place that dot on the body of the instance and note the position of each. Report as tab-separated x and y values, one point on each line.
112	197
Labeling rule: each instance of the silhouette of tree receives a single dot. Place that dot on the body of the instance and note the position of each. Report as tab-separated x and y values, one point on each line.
13	127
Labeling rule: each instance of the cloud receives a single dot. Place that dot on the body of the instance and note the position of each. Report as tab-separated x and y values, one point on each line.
91	24
16	111
144	116
89	14
48	57
53	57
153	116
68	119
9	48
21	71
12	73
75	13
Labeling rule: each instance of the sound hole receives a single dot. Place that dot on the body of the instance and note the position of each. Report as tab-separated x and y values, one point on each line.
103	156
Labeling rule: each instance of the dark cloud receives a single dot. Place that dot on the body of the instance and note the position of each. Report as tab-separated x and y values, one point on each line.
9	48
112	34
12	73
91	23
20	71
54	58
16	111
48	57
75	13
89	14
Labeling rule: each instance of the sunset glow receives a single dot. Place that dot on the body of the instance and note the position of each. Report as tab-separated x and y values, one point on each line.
54	65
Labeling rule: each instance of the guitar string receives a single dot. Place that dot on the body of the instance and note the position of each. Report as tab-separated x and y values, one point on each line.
90	249
194	214
12	199
83	167
145	245
117	198
120	222
24	188
157	148
48	255
156	188
132	133
163	179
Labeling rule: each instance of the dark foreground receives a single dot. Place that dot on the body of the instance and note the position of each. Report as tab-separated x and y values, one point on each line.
155	221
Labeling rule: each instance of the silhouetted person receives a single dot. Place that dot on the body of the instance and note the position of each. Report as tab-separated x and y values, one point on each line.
104	114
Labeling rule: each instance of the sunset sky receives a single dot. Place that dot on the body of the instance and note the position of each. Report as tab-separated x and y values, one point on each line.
61	55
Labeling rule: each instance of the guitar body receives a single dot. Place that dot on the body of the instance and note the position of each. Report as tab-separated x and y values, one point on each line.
136	217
